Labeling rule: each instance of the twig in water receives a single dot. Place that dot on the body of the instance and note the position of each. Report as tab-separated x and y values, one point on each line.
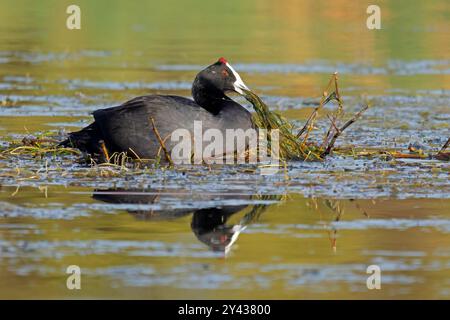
161	142
339	131
445	146
336	96
333	123
135	154
323	101
104	150
442	155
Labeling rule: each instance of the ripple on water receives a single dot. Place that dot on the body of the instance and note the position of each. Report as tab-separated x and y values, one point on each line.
398	67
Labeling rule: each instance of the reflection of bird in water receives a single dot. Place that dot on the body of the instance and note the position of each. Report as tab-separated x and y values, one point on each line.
208	224
140	197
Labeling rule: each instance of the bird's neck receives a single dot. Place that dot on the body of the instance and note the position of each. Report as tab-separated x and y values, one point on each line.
211	100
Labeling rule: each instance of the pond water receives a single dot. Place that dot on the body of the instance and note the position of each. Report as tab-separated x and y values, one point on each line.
309	231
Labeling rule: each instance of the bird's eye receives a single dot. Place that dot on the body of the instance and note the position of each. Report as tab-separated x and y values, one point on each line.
225	73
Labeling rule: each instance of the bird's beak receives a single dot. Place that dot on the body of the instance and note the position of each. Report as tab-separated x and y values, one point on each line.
239	85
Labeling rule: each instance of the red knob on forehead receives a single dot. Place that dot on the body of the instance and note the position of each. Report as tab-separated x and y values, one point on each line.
223	60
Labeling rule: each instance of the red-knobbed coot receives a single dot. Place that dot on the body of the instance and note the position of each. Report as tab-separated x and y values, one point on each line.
128	126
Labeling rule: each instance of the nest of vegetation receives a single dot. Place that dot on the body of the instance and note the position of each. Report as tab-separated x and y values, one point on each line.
294	143
297	145
37	147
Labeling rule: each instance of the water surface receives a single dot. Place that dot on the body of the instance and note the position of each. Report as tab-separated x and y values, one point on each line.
309	231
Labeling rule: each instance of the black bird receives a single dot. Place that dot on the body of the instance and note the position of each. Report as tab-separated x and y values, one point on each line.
127	128
208	224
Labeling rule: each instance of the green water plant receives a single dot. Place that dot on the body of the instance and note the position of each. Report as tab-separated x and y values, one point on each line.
296	145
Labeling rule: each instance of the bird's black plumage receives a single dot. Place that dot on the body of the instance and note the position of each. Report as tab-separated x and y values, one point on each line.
128	128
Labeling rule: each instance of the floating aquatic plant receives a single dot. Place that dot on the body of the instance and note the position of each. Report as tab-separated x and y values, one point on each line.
294	143
290	148
296	146
43	144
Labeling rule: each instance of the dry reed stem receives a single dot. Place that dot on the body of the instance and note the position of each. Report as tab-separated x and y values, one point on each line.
340	130
445	146
161	142
104	150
